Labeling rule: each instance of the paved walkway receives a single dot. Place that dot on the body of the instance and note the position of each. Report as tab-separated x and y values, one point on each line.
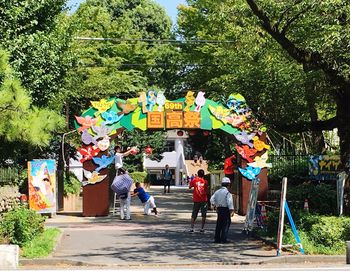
151	240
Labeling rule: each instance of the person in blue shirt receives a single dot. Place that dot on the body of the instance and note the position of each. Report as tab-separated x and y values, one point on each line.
146	199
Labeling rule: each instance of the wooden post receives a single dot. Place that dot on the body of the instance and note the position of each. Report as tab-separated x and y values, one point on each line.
281	216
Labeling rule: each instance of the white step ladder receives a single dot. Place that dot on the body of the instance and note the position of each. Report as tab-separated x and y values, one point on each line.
116	205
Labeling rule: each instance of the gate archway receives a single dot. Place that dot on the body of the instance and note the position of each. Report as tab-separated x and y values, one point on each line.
107	118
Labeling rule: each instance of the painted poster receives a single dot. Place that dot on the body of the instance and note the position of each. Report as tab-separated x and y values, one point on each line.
324	167
42	185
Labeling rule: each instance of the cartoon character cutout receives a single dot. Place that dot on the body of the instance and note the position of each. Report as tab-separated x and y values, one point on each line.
245	138
261	161
92	177
151	99
111	117
87	138
85	122
103	161
102	105
104	143
260	145
246	152
250	173
88	153
127	107
200	101
189	100
160	100
219	112
143	101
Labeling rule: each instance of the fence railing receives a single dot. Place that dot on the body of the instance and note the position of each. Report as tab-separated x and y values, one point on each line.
288	165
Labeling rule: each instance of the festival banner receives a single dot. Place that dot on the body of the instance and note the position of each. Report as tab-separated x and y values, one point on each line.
42	185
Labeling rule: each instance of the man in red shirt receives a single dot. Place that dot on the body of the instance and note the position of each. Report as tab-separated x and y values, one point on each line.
200	198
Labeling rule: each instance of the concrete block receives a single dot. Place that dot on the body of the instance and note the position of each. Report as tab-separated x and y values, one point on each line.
9	256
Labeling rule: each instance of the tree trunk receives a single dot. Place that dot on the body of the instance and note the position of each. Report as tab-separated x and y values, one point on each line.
343	114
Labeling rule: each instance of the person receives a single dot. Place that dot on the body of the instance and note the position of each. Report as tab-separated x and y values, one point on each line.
146	199
200	190
222	200
118	159
229	167
121	186
167	177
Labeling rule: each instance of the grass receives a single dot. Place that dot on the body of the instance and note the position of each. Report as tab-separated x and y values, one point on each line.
42	245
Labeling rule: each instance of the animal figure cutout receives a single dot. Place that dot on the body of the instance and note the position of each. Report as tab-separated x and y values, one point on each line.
189	100
87	138
92	177
250	172
219	112
101	131
85	122
103	161
151	99
246	152
111	117
245	138
200	101
260	145
234	119
88	153
127	107
104	143
143	101
160	100
260	161
102	105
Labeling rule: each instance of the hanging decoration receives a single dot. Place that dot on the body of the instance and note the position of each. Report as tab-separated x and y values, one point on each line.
103	161
250	172
85	122
88	153
92	177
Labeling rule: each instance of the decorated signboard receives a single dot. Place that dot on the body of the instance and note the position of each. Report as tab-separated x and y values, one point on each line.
42	185
324	167
152	110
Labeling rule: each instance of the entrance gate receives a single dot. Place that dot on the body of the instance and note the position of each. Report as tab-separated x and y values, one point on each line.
107	118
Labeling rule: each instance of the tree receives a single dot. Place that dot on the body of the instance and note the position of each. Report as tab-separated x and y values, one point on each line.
294	26
19	120
37	35
284	94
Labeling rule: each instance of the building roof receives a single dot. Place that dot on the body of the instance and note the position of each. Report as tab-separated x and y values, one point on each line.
169	158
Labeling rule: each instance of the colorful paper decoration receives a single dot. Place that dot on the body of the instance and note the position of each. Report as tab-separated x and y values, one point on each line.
234	119
160	100
219	112
200	101
92	177
88	153
103	161
102	105
111	117
192	120
127	107
189	100
85	122
101	131
87	138
246	152
260	161
148	150
155	120
143	101
260	145
174	119
245	138
104	143
174	106
250	172
151	99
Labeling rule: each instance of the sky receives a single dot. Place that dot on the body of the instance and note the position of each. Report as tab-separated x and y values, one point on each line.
170	6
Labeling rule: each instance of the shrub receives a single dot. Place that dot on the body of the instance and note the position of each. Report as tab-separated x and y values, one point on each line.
21	225
72	185
139	176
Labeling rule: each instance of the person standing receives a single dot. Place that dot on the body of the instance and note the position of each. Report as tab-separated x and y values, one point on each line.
121	186
118	158
200	198
146	199
167	177
222	200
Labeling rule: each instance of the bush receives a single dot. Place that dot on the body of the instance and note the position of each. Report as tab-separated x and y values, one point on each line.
322	197
139	176
20	225
72	185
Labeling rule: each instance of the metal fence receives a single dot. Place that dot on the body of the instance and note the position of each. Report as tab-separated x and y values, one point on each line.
288	165
8	175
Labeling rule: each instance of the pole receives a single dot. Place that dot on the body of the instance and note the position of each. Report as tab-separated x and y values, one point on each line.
281	216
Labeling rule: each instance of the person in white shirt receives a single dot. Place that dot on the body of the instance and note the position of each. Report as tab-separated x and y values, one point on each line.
118	159
222	200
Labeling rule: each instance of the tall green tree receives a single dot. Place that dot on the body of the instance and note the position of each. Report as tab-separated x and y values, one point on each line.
20	121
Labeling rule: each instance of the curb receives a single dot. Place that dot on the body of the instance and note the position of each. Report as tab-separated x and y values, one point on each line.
294	259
